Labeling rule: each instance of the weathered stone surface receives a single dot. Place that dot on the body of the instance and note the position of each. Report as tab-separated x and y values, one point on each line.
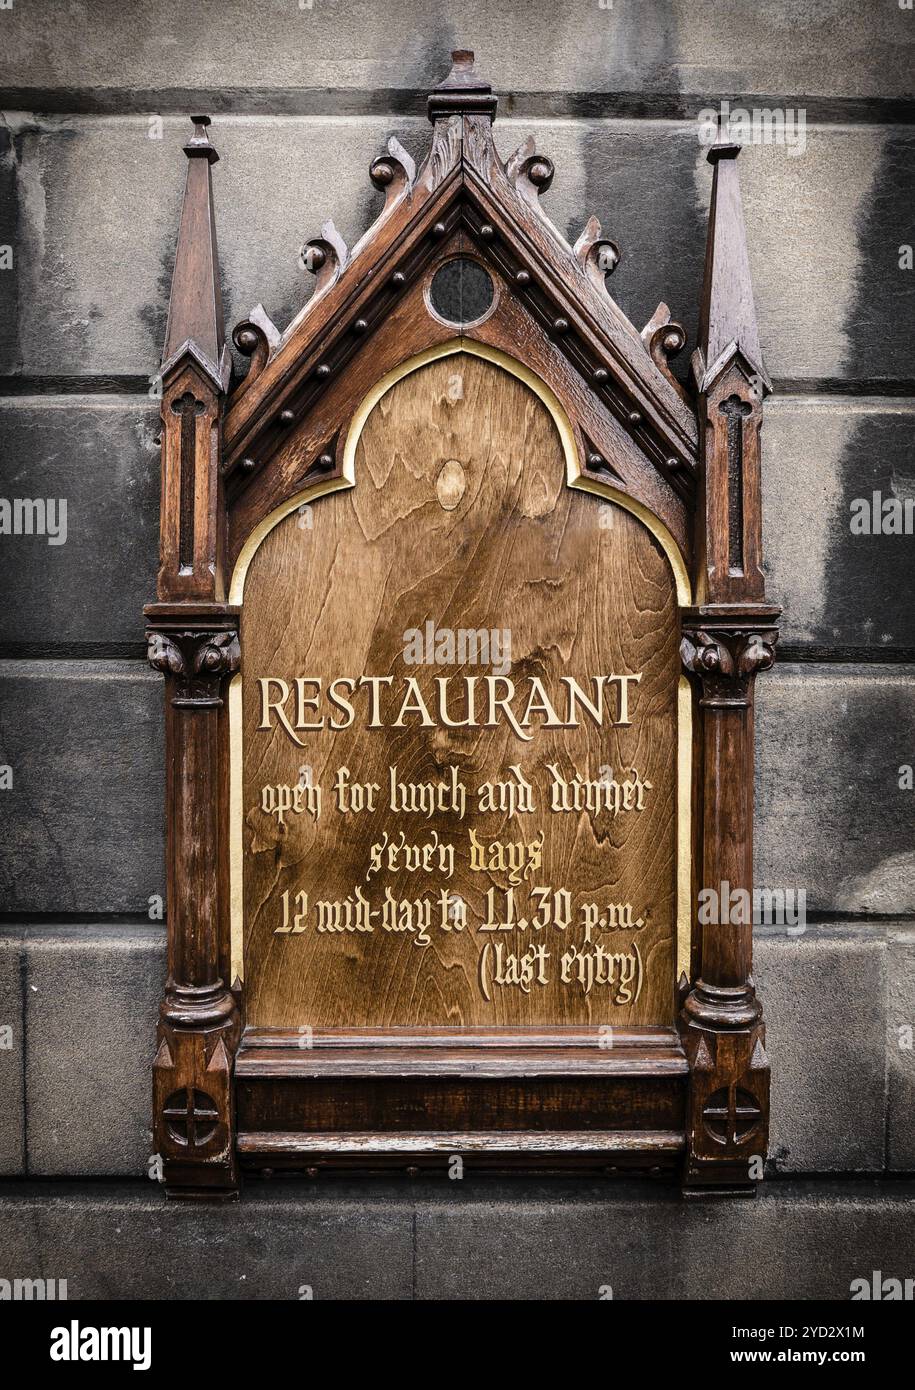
831	818
795	1240
518	1240
91	1001
125	1241
824	228
837	589
10	197
102	192
823	992
82	824
98	453
900	1049
12	1059
581	46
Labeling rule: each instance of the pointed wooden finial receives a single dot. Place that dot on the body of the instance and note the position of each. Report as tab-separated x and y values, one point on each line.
728	317
195	319
199	143
463	91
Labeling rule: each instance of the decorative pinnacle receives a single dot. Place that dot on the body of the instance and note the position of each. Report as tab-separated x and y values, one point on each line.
724	147
195	321
727	319
463	75
199	144
463	90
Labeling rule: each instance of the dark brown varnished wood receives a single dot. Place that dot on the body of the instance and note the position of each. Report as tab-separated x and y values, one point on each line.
396	1076
193	641
728	638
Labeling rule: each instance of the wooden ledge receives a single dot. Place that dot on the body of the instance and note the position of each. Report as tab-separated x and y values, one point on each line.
507	1142
484	1054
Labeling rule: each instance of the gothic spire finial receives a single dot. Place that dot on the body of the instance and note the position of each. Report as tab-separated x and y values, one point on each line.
199	143
728	316
723	147
463	91
195	317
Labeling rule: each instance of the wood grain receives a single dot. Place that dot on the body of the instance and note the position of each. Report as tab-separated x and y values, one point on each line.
460	515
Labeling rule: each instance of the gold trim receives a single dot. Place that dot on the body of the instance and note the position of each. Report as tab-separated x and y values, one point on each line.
574	478
266	525
648	520
684	825
236	752
236	833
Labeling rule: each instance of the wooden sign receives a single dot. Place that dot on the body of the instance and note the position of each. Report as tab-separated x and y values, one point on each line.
460	732
459	611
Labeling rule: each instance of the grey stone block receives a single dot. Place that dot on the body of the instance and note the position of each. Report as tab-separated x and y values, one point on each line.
9	234
900	1049
530	1241
12	1055
82	825
125	1242
823	249
469	1240
830	815
823	996
837	589
98	453
98	192
581	46
796	1240
91	1001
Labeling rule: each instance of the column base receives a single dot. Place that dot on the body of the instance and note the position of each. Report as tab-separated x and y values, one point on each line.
193	1093
727	1123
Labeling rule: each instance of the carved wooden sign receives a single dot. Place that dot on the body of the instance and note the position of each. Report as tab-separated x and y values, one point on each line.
459	733
459	611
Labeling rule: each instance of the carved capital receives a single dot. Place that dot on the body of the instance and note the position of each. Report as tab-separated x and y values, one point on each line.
199	660
722	1007
727	660
201	1007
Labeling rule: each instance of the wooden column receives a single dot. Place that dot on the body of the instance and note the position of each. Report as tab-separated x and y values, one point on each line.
728	637
193	639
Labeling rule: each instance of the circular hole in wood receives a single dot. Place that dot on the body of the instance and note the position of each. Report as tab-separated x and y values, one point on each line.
461	291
